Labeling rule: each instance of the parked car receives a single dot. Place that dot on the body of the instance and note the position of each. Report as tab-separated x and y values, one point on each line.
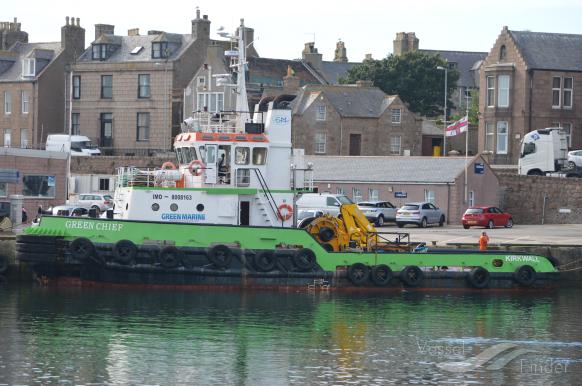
324	202
575	158
378	211
69	210
99	201
419	213
486	216
304	217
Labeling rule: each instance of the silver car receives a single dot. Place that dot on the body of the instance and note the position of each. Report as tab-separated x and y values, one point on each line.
419	213
575	158
378	212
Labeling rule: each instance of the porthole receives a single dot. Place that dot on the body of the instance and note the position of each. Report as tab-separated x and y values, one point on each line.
174	207
200	207
497	263
155	206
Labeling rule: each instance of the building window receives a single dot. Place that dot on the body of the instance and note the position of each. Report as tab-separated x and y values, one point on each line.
23	138
24	96
429	196
502	137
143	127
106	86
106	138
395	145
2	189
7	137
75	129
373	194
38	186
565	128
471	198
556	91
320	113
7	102
490	91
77	87
243	177
29	67
396	115
568	85
340	191
320	143
503	91
143	88
159	50
104	184
357	195
99	51
201	81
211	101
489	136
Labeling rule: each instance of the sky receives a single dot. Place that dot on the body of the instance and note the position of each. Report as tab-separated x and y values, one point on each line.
283	27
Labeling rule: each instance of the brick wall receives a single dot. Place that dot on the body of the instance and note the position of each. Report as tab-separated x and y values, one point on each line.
523	197
108	165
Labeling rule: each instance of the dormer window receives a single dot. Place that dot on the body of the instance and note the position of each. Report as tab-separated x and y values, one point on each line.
29	67
159	50
99	51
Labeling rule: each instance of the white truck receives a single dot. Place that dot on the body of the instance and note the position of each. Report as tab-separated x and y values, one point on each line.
77	145
544	152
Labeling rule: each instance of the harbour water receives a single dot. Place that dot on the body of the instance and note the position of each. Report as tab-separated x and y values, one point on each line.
74	336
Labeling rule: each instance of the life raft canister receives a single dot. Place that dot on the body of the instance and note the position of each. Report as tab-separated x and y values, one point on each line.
284	212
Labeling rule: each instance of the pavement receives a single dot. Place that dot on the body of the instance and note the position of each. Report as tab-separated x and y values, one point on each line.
554	234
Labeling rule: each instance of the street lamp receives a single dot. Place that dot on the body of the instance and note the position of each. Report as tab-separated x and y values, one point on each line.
445	112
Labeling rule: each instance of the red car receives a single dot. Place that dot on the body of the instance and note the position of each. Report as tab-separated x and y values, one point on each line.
486	216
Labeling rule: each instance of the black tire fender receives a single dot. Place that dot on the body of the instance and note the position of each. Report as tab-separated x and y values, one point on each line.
36	248
34	239
170	257
525	275
325	234
304	259
265	261
124	252
381	275
479	277
411	275
358	273
220	256
82	248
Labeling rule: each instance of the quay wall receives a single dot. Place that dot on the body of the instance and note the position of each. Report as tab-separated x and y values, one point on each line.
530	199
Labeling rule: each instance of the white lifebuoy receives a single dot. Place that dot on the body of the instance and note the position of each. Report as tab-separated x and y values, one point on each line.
195	167
284	212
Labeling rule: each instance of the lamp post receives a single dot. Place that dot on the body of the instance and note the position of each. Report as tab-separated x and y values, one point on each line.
444	112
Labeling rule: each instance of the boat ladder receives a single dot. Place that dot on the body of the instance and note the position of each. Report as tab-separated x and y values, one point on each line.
264	208
320	284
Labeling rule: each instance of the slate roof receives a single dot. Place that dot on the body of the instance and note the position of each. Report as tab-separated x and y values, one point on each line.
465	63
550	51
437	170
20	51
348	100
128	43
333	71
270	71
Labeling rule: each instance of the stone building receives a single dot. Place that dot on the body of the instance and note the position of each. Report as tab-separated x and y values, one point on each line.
440	180
529	80
128	91
32	78
353	120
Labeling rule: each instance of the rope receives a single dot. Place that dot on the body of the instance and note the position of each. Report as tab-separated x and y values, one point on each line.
566	264
571	270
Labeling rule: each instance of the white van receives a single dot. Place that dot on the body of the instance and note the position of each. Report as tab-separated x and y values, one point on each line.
79	144
324	202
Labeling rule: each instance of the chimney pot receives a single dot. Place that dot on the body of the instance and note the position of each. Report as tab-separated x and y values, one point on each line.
67	20
78	22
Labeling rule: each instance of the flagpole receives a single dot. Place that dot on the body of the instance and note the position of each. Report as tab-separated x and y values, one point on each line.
467	151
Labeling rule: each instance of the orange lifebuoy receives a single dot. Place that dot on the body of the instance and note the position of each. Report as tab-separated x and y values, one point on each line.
284	208
195	167
168	166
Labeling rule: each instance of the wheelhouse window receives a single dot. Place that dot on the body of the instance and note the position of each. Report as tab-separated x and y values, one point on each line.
320	143
320	113
24	96
99	51
76	87
396	115
490	91
159	50
242	155
143	127
502	137
503	91
143	89
568	89
38	186
259	155
106	86
243	177
556	92
75	128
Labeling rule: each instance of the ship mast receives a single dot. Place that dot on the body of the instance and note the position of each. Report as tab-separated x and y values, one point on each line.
242	103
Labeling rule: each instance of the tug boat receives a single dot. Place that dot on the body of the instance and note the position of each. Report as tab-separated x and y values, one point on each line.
223	215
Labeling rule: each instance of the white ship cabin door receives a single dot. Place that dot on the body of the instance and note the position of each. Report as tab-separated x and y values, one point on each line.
211	171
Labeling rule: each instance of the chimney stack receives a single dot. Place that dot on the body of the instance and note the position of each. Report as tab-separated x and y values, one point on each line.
133	32
340	53
104	29
73	36
311	56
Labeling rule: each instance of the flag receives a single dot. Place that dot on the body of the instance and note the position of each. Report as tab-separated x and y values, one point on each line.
457	127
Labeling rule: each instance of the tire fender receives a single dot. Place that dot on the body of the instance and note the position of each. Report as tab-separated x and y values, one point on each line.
412	276
479	277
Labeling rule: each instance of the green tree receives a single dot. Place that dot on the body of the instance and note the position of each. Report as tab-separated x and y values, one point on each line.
413	76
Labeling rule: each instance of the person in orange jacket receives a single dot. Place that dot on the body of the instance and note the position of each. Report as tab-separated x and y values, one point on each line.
483	241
